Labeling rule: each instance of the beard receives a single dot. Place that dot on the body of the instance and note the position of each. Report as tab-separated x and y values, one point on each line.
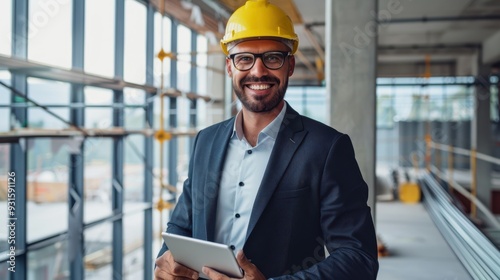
260	104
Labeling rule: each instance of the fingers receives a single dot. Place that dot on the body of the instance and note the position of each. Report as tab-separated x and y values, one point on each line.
251	271
214	275
244	263
168	269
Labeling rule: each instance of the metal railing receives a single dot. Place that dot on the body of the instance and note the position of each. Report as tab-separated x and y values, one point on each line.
476	252
474	157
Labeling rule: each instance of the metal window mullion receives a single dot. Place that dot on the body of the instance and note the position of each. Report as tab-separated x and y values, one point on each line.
118	145
76	166
173	143
18	151
148	147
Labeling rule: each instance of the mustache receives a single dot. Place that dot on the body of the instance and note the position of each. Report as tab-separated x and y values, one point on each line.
263	79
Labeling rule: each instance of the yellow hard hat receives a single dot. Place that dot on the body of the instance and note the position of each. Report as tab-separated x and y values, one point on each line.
259	19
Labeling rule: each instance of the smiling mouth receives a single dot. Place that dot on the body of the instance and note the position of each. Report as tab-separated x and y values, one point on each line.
259	86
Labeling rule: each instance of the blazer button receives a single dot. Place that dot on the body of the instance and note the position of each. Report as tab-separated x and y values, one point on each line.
241	184
232	247
249	152
237	215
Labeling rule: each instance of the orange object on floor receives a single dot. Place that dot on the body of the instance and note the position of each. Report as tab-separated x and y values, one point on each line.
409	192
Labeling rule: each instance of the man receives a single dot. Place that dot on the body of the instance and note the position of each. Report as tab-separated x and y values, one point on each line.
276	186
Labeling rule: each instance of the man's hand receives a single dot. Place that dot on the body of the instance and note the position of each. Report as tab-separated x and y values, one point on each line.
168	269
251	271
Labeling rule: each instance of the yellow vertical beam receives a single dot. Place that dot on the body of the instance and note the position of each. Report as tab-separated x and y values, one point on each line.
161	57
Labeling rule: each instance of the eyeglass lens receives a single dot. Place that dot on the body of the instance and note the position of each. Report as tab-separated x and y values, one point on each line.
245	61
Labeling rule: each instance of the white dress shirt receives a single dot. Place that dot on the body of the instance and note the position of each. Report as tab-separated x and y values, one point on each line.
243	171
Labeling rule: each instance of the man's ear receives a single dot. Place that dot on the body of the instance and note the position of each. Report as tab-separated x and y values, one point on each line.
228	67
292	65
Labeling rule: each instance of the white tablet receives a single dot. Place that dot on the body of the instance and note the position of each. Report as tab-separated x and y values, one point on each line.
196	253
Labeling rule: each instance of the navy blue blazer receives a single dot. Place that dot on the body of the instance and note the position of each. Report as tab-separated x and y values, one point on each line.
312	196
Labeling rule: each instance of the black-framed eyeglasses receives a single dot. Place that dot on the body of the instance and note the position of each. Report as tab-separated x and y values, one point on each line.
273	60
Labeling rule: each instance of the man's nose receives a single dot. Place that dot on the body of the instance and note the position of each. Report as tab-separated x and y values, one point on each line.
259	69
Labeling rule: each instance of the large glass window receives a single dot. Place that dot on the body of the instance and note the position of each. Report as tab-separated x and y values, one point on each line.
50	32
98	178
53	95
135	42
133	260
201	79
183	104
51	262
5	98
100	37
100	116
98	155
134	112
4	170
309	101
6	27
133	170
47	187
183	58
163	31
408	108
495	106
98	252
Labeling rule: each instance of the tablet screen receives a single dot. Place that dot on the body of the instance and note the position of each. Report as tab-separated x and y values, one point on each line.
196	253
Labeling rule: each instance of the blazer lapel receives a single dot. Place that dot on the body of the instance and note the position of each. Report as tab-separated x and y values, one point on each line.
289	138
214	173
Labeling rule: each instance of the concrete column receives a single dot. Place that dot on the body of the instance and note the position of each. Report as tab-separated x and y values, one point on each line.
351	43
481	135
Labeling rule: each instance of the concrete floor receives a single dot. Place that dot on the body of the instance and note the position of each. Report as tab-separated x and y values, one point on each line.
417	250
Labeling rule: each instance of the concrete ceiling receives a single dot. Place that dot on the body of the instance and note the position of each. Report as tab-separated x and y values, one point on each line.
446	31
451	32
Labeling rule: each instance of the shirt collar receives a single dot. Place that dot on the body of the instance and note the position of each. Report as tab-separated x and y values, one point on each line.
270	130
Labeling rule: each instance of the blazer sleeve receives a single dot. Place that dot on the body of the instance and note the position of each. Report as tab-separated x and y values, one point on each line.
346	221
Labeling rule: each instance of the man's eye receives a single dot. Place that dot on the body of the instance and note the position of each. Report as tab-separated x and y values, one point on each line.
273	58
244	59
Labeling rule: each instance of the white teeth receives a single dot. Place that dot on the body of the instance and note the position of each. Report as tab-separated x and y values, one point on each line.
259	87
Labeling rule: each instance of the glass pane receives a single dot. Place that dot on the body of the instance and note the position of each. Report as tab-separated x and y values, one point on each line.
6	27
101	118
50	32
309	101
315	105
183	108
157	112
133	178
4	272
494	101
183	58
134	117
135	42
98	178
163	31
46	92
133	260
100	37
98	252
201	79
47	190
4	195
49	263
5	98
